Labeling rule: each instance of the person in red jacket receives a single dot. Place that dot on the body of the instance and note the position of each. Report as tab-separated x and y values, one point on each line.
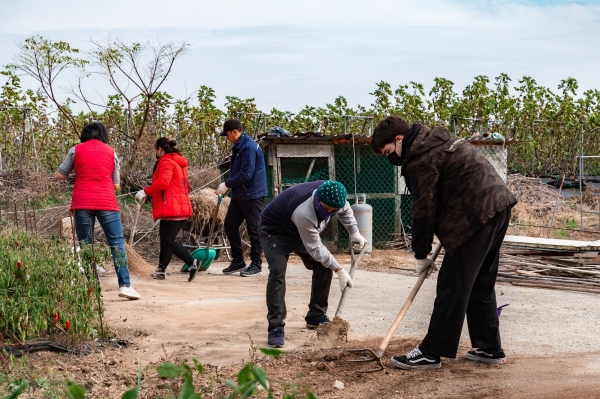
170	203
96	166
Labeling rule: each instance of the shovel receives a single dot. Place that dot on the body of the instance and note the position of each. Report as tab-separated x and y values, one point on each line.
338	312
375	356
205	256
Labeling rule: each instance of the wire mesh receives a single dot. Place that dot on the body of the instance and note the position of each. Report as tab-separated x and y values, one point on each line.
381	181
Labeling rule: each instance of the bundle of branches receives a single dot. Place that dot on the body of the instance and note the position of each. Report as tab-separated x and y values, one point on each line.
535	198
204	203
567	271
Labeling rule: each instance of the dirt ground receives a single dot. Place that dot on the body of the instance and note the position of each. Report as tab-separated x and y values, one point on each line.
550	337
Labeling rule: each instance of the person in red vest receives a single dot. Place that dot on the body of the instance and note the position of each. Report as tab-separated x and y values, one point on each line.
170	203
96	167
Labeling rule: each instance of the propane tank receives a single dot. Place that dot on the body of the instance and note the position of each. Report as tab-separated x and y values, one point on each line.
363	213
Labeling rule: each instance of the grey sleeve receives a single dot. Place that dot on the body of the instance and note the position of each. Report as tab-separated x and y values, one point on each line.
346	217
66	166
116	176
312	240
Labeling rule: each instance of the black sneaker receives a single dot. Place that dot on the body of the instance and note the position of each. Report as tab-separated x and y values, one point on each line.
417	360
252	271
315	322
158	274
495	356
193	269
276	336
234	268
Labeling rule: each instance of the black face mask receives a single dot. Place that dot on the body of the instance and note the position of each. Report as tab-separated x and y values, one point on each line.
395	159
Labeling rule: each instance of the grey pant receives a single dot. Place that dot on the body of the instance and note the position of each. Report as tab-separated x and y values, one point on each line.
277	250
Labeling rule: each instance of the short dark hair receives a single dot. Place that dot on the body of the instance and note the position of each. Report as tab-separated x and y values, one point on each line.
167	145
386	132
94	130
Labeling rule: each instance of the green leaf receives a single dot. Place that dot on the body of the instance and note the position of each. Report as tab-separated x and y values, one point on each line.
74	391
232	385
248	390
198	365
17	392
170	370
260	375
132	393
187	390
272	351
245	374
310	395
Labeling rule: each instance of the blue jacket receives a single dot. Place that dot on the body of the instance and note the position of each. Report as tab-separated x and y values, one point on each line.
248	176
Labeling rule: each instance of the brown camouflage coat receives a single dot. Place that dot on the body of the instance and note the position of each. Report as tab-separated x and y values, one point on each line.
455	190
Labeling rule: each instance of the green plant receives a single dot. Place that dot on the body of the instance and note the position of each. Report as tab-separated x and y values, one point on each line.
44	289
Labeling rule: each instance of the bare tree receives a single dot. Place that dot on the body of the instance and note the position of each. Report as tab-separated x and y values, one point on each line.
137	77
44	60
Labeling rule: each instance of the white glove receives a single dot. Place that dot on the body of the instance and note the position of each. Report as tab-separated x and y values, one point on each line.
222	189
344	279
140	195
356	238
424	264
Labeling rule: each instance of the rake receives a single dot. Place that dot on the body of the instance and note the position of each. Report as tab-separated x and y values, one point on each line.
375	356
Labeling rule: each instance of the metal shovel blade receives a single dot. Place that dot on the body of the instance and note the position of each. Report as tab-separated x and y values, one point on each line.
369	356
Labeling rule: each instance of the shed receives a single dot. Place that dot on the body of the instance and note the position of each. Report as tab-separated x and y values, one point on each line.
349	159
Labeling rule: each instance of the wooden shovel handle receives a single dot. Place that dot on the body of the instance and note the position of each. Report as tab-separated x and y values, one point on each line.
407	304
135	220
338	312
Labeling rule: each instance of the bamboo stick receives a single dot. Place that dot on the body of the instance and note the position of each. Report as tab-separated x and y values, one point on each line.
563	269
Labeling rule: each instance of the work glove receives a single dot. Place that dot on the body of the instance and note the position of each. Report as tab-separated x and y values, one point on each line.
344	279
222	189
358	239
424	264
140	195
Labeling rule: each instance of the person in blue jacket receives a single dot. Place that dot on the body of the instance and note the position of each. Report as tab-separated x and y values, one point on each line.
248	183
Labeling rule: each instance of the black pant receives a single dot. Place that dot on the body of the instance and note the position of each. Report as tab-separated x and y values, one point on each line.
167	231
277	251
250	212
466	286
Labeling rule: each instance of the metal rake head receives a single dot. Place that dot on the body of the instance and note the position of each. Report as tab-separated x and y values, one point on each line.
369	356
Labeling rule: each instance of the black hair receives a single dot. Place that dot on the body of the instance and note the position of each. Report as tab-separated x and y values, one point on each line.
94	130
386	132
167	145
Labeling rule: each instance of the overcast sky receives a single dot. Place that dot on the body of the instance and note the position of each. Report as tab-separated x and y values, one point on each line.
288	54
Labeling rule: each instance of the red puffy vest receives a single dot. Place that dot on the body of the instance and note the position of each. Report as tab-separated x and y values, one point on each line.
94	189
170	188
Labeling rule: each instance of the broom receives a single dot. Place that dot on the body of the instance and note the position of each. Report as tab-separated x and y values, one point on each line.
137	264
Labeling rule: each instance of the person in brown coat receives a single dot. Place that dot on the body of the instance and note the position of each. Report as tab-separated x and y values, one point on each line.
458	196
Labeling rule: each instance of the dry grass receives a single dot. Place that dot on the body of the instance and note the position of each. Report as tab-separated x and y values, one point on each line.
532	216
204	203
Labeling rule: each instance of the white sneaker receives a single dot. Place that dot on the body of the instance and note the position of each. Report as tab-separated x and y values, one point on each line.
129	293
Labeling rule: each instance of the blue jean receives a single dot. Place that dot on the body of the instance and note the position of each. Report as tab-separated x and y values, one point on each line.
113	230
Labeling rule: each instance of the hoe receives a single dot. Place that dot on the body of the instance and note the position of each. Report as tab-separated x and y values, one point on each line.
375	356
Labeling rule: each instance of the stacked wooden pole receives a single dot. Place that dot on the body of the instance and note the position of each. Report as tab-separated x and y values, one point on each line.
563	271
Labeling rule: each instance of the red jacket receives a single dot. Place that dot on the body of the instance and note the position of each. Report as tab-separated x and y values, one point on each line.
94	189
170	188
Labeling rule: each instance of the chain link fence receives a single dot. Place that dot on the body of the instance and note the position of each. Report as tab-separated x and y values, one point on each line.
292	161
